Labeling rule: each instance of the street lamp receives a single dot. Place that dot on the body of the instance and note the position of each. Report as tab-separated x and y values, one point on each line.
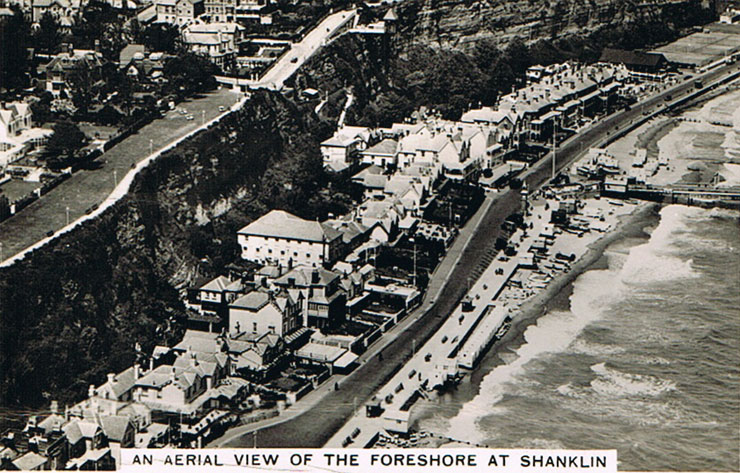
413	240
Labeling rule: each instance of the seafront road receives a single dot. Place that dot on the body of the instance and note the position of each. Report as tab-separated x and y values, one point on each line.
314	419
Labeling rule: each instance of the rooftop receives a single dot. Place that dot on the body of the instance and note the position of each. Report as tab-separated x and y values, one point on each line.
281	224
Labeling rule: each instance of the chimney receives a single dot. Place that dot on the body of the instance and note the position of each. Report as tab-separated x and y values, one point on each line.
97	46
91	391
111	377
137	371
315	276
54	408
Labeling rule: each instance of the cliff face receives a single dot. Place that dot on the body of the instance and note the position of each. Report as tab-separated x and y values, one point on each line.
450	23
450	55
75	309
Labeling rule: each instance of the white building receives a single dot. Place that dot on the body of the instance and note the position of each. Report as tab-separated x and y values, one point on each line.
219	42
339	150
17	133
260	312
279	237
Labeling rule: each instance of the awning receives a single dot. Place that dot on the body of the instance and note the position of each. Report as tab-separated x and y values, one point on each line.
345	360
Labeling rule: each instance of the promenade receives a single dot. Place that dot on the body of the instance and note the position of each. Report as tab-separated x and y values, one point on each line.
315	426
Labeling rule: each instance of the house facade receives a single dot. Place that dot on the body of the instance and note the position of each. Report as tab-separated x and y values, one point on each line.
260	312
279	237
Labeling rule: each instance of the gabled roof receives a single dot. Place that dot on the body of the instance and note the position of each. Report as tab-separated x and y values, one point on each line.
218	284
77	430
128	53
114	427
302	276
387	147
390	15
51	422
121	383
281	224
163	375
253	301
194	363
371	177
29	461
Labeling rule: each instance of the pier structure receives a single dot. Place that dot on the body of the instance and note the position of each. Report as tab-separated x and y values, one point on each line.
701	195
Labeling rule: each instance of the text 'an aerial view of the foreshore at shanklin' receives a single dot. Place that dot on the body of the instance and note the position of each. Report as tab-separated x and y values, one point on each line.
385	225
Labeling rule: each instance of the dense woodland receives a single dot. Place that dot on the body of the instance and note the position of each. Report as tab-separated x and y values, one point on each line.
74	310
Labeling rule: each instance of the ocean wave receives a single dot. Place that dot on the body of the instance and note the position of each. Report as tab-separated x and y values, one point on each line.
613	383
594	294
656	260
583	347
540	444
651	360
568	390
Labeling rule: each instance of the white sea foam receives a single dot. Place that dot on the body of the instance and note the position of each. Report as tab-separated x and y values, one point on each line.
584	347
593	293
731	173
614	383
656	260
544	444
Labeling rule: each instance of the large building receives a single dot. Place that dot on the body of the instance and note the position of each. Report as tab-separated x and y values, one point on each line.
219	42
221	10
60	70
279	237
178	12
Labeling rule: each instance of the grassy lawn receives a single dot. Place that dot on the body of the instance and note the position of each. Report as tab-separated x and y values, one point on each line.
15	189
89	187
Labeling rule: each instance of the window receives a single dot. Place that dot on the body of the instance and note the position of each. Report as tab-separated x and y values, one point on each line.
271	328
254	326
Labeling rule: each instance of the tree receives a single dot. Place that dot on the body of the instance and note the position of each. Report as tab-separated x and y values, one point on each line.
13	56
188	74
161	37
63	144
81	85
48	36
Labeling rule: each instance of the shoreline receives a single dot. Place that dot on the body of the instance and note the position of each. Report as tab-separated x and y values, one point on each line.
555	296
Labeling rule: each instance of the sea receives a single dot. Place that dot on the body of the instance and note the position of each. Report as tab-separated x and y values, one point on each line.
643	356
